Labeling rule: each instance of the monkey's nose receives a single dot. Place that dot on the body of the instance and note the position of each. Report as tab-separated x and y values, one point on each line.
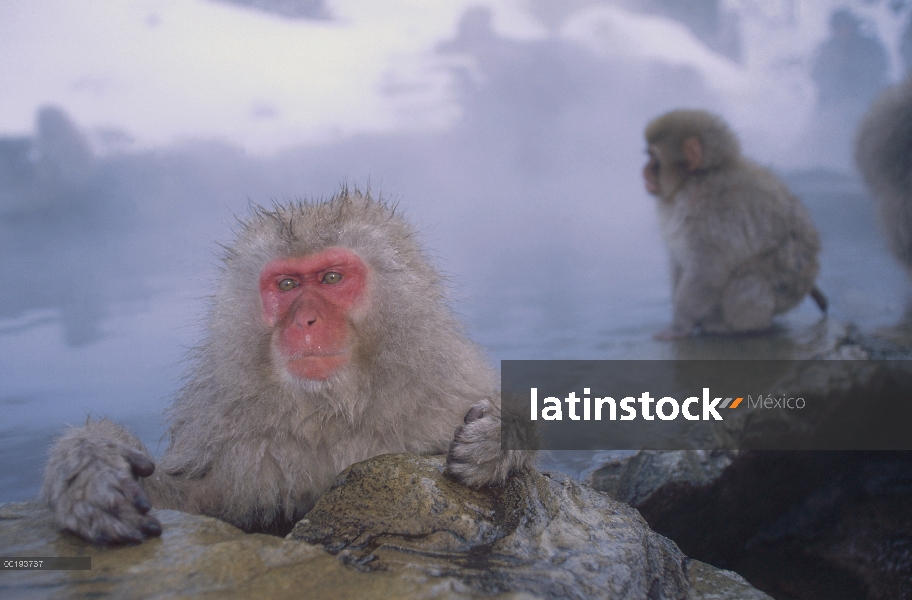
305	323
304	318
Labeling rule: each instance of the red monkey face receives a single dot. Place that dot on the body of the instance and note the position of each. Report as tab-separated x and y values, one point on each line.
307	301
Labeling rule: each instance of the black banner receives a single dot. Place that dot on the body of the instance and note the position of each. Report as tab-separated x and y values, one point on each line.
707	405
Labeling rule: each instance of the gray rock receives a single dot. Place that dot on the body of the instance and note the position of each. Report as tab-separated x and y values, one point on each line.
635	477
541	534
196	557
402	530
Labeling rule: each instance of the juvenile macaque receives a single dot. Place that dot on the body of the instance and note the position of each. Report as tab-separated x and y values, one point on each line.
883	153
329	342
742	247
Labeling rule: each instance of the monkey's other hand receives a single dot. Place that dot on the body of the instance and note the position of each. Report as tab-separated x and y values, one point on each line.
91	482
475	456
671	333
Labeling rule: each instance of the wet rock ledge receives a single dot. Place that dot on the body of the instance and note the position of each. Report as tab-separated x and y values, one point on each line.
398	528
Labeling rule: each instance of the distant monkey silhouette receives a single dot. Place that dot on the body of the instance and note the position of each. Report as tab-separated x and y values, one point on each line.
742	247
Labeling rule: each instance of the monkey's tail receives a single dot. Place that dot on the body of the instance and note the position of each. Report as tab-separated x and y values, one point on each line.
820	299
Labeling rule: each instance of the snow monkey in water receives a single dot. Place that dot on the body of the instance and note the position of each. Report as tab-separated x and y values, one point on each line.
742	247
883	153
329	342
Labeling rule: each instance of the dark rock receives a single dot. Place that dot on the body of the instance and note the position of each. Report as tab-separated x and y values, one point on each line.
637	477
797	524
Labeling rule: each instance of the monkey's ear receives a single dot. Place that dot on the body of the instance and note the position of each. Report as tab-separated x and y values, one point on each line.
693	153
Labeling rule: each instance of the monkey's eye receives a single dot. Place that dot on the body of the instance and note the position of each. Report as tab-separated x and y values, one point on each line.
287	284
332	277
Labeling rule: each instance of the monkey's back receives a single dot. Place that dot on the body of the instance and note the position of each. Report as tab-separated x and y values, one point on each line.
883	153
748	220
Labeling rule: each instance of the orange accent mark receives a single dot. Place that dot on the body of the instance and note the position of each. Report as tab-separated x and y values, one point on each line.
736	403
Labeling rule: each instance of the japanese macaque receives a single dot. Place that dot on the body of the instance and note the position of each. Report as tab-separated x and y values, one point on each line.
329	342
742	247
883	153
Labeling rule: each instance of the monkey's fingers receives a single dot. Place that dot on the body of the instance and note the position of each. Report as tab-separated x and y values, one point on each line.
133	512
135	495
116	530
105	528
140	464
105	504
475	413
475	456
121	519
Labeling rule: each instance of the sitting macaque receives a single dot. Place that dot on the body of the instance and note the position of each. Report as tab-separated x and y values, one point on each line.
329	342
883	153
742	247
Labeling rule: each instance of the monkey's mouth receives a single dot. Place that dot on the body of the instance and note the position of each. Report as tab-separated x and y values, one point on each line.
316	365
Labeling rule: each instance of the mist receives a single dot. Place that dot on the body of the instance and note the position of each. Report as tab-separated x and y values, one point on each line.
510	132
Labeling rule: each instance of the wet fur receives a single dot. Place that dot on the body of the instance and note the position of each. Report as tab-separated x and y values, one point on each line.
256	448
883	153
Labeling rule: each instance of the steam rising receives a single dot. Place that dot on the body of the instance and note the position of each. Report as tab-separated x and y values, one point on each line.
511	132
